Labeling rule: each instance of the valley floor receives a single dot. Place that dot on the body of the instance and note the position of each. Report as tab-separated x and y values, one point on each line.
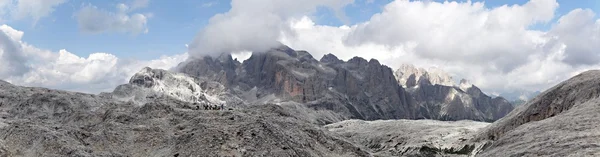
410	137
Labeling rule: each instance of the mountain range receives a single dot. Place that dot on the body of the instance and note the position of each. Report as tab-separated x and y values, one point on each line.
284	102
353	89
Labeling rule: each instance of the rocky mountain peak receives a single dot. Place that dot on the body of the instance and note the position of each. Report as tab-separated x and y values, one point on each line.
146	77
432	75
330	58
353	89
357	61
285	49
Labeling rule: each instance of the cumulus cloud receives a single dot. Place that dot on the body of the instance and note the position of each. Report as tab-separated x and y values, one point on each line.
12	61
453	31
27	65
253	25
495	48
91	19
581	33
34	9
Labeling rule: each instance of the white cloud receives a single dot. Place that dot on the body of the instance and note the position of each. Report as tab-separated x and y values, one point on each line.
11	61
26	65
253	25
23	9
581	33
493	47
452	31
91	19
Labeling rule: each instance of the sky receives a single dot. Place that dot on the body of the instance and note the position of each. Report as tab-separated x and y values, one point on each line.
503	46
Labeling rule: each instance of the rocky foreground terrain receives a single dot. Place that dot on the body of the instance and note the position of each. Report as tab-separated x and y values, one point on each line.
43	122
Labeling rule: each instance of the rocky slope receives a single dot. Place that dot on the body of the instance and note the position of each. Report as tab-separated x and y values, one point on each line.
44	122
562	121
353	89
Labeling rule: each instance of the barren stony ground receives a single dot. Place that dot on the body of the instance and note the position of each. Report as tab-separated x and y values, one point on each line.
42	122
410	137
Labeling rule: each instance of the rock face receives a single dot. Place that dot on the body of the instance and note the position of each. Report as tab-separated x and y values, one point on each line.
438	98
353	89
451	103
43	122
435	76
559	122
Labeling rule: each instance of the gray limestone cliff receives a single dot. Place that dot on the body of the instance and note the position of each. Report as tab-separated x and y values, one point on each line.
353	89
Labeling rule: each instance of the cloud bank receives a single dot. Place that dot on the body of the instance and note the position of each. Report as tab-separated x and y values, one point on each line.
254	25
496	48
27	65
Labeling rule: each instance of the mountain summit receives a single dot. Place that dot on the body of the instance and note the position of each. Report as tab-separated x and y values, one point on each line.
353	89
408	75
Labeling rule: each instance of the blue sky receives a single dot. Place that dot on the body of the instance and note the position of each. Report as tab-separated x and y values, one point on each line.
175	23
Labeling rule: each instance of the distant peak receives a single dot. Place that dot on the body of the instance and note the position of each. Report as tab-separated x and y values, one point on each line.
284	48
330	58
432	75
374	61
357	59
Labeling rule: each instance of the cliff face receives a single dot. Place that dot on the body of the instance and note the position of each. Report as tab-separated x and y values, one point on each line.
439	98
356	88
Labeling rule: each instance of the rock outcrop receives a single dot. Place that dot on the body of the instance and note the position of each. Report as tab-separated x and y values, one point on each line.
148	84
